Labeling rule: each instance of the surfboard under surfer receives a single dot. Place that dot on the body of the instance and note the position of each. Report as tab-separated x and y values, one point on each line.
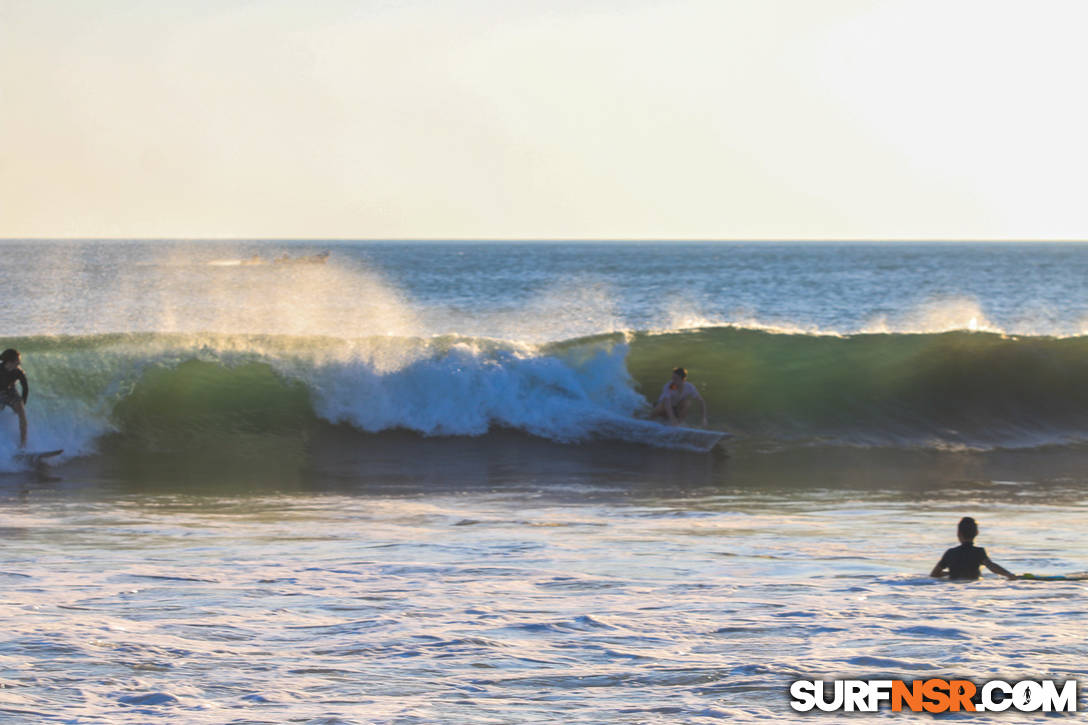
676	398
11	373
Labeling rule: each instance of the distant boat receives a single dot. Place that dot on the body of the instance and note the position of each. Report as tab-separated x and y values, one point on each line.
320	258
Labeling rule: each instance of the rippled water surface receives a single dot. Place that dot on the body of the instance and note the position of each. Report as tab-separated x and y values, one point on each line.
574	603
406	485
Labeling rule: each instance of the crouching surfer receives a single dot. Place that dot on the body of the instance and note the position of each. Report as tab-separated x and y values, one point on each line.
11	373
676	398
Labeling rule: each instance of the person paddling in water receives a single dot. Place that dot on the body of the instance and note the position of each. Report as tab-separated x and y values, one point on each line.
11	373
676	397
963	561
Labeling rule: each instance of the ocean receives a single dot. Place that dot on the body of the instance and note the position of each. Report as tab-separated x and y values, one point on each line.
405	483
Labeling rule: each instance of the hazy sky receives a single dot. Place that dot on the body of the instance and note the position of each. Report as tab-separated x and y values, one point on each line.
544	119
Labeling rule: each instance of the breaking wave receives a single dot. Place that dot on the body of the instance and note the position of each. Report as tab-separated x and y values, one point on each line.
933	390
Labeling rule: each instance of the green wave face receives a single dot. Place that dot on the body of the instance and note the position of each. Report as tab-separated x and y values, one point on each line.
254	395
219	399
971	388
198	399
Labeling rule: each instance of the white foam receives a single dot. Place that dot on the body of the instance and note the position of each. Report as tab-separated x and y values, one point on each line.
434	386
471	387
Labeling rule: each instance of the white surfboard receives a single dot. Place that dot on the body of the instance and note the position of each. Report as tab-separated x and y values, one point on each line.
37	458
700	439
660	435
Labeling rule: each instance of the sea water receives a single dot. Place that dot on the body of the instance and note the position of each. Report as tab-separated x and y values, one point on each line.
386	488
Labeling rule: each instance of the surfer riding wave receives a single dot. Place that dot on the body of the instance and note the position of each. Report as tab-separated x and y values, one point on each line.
11	373
676	398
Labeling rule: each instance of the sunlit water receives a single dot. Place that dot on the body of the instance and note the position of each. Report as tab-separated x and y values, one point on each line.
244	530
574	604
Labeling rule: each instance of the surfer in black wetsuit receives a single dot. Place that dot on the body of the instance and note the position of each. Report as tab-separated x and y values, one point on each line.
11	373
963	561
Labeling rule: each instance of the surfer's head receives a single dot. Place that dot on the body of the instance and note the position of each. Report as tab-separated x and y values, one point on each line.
10	358
967	530
678	376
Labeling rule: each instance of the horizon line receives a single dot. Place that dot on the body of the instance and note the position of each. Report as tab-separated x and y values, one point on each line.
562	240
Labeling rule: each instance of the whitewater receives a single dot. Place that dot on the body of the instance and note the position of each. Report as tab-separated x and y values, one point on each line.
399	484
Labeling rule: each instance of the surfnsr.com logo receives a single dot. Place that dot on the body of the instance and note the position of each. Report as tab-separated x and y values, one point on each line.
934	696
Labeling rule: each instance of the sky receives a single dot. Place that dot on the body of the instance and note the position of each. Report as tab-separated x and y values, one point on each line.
543	119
